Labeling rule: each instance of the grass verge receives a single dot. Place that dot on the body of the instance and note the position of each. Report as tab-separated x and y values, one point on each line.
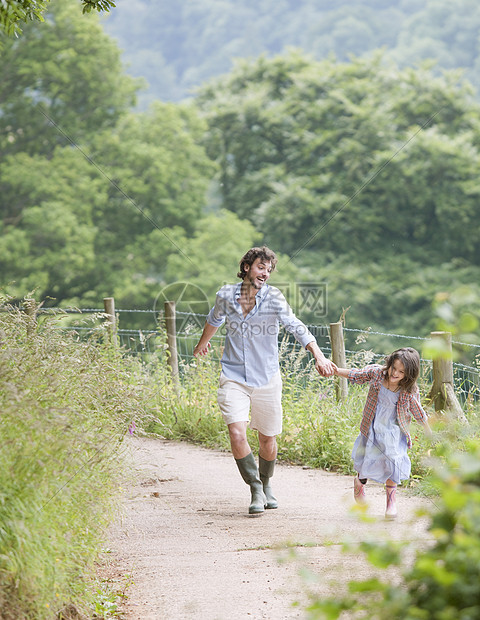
65	408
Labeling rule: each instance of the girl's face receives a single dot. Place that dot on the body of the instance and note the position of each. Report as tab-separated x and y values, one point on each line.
396	372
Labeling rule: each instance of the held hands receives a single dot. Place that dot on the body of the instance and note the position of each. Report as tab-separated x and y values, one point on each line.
326	368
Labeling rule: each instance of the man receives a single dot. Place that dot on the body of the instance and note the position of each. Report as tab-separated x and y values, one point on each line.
250	381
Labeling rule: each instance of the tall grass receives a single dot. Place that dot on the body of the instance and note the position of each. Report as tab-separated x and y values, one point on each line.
192	414
65	408
318	431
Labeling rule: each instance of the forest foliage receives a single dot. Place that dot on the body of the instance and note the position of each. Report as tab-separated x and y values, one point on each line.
15	13
361	174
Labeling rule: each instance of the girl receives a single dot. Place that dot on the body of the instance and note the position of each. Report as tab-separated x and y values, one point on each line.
380	450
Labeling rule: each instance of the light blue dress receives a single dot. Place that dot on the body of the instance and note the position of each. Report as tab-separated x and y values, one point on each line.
383	455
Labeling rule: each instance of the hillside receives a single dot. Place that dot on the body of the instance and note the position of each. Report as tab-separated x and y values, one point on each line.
177	46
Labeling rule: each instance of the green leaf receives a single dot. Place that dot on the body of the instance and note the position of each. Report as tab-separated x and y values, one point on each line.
368	585
381	554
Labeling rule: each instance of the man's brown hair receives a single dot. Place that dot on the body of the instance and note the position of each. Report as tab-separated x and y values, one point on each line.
249	258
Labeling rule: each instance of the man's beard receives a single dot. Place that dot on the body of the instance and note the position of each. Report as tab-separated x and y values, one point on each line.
254	283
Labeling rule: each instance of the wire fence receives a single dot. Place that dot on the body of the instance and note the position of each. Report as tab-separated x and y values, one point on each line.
362	346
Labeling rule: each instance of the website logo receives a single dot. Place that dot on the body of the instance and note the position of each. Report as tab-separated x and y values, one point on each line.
191	305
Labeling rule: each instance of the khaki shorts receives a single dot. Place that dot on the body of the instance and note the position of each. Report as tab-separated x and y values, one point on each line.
237	400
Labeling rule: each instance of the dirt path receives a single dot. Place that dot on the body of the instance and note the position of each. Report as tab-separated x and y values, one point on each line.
189	547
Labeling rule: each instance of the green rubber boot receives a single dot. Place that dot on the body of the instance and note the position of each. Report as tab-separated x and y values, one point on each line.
266	469
249	471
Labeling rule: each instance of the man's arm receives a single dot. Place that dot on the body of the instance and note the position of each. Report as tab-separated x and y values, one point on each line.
324	367
204	343
292	324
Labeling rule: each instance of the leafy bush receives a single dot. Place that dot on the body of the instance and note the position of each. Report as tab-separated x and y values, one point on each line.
443	583
65	408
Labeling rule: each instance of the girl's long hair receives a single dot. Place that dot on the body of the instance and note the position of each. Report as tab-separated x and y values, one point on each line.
411	363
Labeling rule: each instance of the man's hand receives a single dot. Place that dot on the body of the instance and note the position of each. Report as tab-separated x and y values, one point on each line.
204	343
201	349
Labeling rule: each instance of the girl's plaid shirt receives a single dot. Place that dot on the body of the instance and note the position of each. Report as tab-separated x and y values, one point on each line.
408	403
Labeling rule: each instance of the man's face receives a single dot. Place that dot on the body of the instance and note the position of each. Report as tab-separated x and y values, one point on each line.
258	273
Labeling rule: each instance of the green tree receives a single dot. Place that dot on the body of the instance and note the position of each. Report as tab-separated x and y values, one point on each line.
15	12
47	240
76	229
157	160
317	156
61	82
83	183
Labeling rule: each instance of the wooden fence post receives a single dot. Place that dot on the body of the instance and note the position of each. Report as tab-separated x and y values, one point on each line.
170	326
339	358
30	306
442	393
109	306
